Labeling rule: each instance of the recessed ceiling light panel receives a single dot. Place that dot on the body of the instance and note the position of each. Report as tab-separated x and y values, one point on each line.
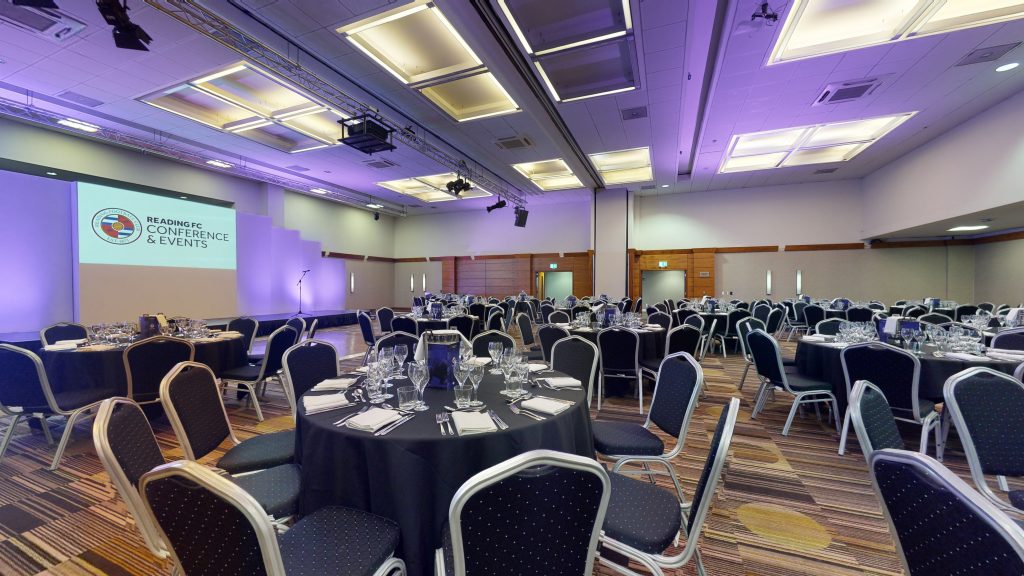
543	26
549	175
471	97
624	166
431	188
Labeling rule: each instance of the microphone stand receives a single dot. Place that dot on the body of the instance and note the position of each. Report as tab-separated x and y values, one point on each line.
299	284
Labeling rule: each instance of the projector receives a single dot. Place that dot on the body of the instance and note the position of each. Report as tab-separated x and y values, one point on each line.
366	134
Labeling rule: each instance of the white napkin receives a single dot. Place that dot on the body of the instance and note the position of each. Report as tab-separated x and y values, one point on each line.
334	384
892	323
966	357
373	419
230	334
545	406
480	361
315	404
563	382
562	324
1003	356
1012	314
473	423
584	329
75	342
535	367
814	338
653	326
96	348
1008	352
361	369
67	345
421	348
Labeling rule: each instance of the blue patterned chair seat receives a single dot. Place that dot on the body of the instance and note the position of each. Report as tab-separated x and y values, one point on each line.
619	438
276	489
642	515
260	452
336	540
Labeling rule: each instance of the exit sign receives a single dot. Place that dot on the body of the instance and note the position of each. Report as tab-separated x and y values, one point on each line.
553	266
663	264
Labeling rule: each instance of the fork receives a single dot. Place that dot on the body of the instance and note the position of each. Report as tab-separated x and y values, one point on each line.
517	410
448	422
439	418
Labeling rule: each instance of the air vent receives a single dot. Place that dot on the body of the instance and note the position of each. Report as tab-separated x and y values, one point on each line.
986	54
648	187
82	99
54	25
840	92
380	163
513	143
297	168
826	170
634	113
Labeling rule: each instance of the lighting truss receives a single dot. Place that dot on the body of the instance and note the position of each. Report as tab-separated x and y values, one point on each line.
216	28
161	147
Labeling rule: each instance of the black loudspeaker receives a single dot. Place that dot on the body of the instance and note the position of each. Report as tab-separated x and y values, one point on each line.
521	216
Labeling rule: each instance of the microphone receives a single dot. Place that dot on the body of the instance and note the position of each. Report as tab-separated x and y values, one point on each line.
304	271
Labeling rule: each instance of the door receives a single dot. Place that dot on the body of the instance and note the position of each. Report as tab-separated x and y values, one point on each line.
659	285
557	285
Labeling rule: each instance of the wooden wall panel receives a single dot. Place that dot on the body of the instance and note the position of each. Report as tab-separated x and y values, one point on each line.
579	263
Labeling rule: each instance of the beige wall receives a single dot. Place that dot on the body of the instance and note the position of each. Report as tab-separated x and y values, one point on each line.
881	274
402	295
999	272
374	284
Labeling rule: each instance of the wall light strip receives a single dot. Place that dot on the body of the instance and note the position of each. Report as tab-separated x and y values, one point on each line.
79	125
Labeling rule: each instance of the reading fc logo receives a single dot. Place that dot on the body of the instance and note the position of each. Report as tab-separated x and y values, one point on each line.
116	226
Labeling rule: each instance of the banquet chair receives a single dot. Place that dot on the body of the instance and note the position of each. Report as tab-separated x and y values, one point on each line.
298	324
366	328
533	351
873	421
193	504
914	311
621	305
829	326
661	319
774	323
495	320
577	357
761	312
875	305
127	448
679	315
248	328
620	358
1012	339
313	327
548	335
985	408
796	320
660	307
679	381
651	310
728	333
253	376
644	521
483	339
964	310
1018	373
195	409
62	331
501	518
464	324
638	306
479	310
25	390
772	374
744	327
305	365
546	309
384	317
942	527
897	373
146	362
679	339
935	318
859	314
987	307
559	317
396	339
671	304
812	315
399	324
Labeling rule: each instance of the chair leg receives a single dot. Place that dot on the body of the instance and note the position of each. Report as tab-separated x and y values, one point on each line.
640	392
792	414
845	432
65	437
698	562
255	400
9	434
46	428
744	378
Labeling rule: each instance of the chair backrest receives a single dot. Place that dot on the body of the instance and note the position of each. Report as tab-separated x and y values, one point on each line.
464	324
638	306
401	324
914	311
872	418
761	312
733	317
540	500
279	341
193	504
525	328
384	317
23	382
695	320
146	362
859	314
313	327
828	326
580	309
764	352
704	493
679	315
774	321
1012	339
896	372
366	327
935	318
684	338
548	335
798	310
987	307
559	317
481	340
743	328
982	403
396	338
577	357
942	527
875	305
620	349
247	327
496	320
661	319
814	314
307	364
299	325
680	379
62	331
964	310
546	310
478	309
192	401
1019	372
128	449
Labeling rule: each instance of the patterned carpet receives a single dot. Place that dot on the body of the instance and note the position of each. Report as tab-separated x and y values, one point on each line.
787	506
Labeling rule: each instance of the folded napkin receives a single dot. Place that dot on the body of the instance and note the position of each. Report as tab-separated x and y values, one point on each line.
1007	357
315	404
545	405
60	346
837	344
814	338
75	342
473	423
361	370
563	382
334	384
204	339
562	324
536	367
478	361
373	419
653	327
584	329
892	324
966	357
230	334
96	348
1008	352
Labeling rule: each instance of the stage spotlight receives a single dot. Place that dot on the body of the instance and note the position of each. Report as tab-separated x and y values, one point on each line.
458	186
497	205
36	4
127	34
376	216
521	215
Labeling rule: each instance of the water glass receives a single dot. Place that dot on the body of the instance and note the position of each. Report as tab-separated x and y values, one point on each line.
419	373
476	375
407	398
463	396
494	350
375	389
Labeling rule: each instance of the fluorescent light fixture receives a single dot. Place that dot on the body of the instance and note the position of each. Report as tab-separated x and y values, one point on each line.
320	190
818	27
624	166
51	173
1007	67
352	283
815	144
423	281
375	206
78	125
219	164
663	186
768	283
557	26
549	175
471	97
432	188
799	282
596	39
412	282
967	228
221	74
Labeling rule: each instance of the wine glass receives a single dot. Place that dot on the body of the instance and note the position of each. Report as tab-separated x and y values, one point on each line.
494	350
476	375
420	375
461	370
401	355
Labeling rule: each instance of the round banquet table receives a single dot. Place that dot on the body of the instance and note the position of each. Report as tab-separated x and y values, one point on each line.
652	347
821	361
411	474
720	317
103	367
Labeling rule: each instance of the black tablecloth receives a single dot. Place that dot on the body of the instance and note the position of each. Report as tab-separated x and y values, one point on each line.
835	314
820	362
82	369
411	474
